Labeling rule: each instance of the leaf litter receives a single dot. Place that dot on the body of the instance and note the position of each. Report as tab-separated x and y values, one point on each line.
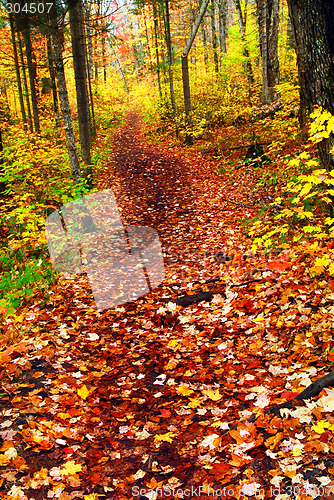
155	399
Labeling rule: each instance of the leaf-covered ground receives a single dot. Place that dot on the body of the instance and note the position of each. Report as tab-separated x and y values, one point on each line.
154	399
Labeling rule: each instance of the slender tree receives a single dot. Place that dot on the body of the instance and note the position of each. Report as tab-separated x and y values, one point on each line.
262	17
25	84
204	39
223	23
242	19
155	21
2	183
25	23
169	52
214	35
52	72
63	95
18	75
80	71
186	50
268	21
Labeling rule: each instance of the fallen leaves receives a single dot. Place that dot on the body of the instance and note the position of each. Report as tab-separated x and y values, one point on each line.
155	395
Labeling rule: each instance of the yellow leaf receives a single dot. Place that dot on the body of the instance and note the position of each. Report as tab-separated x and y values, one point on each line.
70	468
4	459
217	424
256	320
83	392
194	403
92	496
184	390
172	343
296	452
214	395
63	416
320	426
164	437
304	156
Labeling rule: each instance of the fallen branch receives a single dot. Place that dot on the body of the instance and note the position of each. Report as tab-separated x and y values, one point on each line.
245	146
187	300
239	204
311	391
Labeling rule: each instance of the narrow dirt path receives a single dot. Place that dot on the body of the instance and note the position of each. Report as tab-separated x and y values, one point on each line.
179	197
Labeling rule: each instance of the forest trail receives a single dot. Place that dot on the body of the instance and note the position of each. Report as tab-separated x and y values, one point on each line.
152	394
179	196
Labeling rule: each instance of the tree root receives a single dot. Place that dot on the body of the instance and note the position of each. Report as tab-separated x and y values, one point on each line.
311	391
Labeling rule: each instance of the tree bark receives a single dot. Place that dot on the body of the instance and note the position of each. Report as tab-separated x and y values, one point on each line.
313	27
52	72
272	42
186	50
223	16
169	52
80	71
89	40
155	21
206	58
31	72
262	20
2	183
63	95
214	36
17	70
104	64
25	84
242	18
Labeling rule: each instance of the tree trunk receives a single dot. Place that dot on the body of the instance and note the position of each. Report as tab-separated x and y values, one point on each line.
242	18
290	41
25	84
31	72
91	100
214	36
80	71
206	58
223	16
17	70
262	20
155	20
89	40
169	51
53	84
63	95
272	42
104	64
313	27
2	171
186	50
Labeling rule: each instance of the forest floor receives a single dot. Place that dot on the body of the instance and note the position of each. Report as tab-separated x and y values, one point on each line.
151	399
